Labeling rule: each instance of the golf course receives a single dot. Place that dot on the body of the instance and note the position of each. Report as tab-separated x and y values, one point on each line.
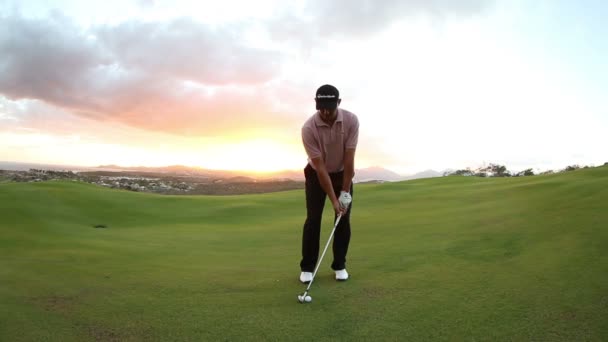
440	259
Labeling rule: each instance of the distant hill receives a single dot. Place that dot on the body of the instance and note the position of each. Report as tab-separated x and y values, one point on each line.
361	175
424	174
381	174
368	174
18	166
376	173
174	169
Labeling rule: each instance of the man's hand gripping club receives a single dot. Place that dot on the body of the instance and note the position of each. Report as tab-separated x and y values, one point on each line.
345	199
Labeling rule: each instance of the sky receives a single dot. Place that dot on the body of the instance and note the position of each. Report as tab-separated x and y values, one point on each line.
435	84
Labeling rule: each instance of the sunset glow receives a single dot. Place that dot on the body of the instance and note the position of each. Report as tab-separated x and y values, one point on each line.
227	85
255	155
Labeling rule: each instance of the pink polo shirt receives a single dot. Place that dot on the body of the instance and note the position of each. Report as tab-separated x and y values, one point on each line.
320	140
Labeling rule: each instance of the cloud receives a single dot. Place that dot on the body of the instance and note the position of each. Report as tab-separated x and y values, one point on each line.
146	3
191	111
362	16
320	19
37	116
188	50
45	59
180	77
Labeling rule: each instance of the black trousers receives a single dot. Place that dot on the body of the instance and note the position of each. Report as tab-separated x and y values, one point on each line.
315	202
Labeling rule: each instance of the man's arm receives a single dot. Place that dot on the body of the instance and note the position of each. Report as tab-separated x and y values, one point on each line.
349	154
349	169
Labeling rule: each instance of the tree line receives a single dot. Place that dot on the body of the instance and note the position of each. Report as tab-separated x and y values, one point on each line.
497	170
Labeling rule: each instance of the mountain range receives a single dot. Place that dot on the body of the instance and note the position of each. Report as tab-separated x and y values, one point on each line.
368	174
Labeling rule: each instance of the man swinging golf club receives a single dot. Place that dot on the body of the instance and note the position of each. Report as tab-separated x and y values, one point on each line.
330	139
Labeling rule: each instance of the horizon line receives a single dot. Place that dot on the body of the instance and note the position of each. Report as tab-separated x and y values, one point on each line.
98	166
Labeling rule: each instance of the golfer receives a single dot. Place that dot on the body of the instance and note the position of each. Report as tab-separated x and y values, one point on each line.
330	139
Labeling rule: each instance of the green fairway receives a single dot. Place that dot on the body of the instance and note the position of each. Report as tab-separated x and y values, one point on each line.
451	258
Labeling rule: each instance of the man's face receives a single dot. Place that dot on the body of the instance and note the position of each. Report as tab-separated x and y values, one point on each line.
329	115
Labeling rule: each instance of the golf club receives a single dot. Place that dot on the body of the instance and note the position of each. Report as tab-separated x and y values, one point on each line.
305	298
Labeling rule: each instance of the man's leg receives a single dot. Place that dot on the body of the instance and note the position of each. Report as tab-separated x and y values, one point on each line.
342	234
315	202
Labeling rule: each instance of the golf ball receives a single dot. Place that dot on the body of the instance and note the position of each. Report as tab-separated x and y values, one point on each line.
308	299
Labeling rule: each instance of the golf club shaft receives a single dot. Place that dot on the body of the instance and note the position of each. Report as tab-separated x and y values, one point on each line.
323	254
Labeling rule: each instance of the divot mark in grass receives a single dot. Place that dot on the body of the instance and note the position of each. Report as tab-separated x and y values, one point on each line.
100	226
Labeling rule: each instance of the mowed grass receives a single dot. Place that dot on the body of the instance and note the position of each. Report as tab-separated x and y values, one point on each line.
456	258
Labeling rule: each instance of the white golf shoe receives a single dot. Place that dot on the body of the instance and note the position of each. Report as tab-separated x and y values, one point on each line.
306	277
341	275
